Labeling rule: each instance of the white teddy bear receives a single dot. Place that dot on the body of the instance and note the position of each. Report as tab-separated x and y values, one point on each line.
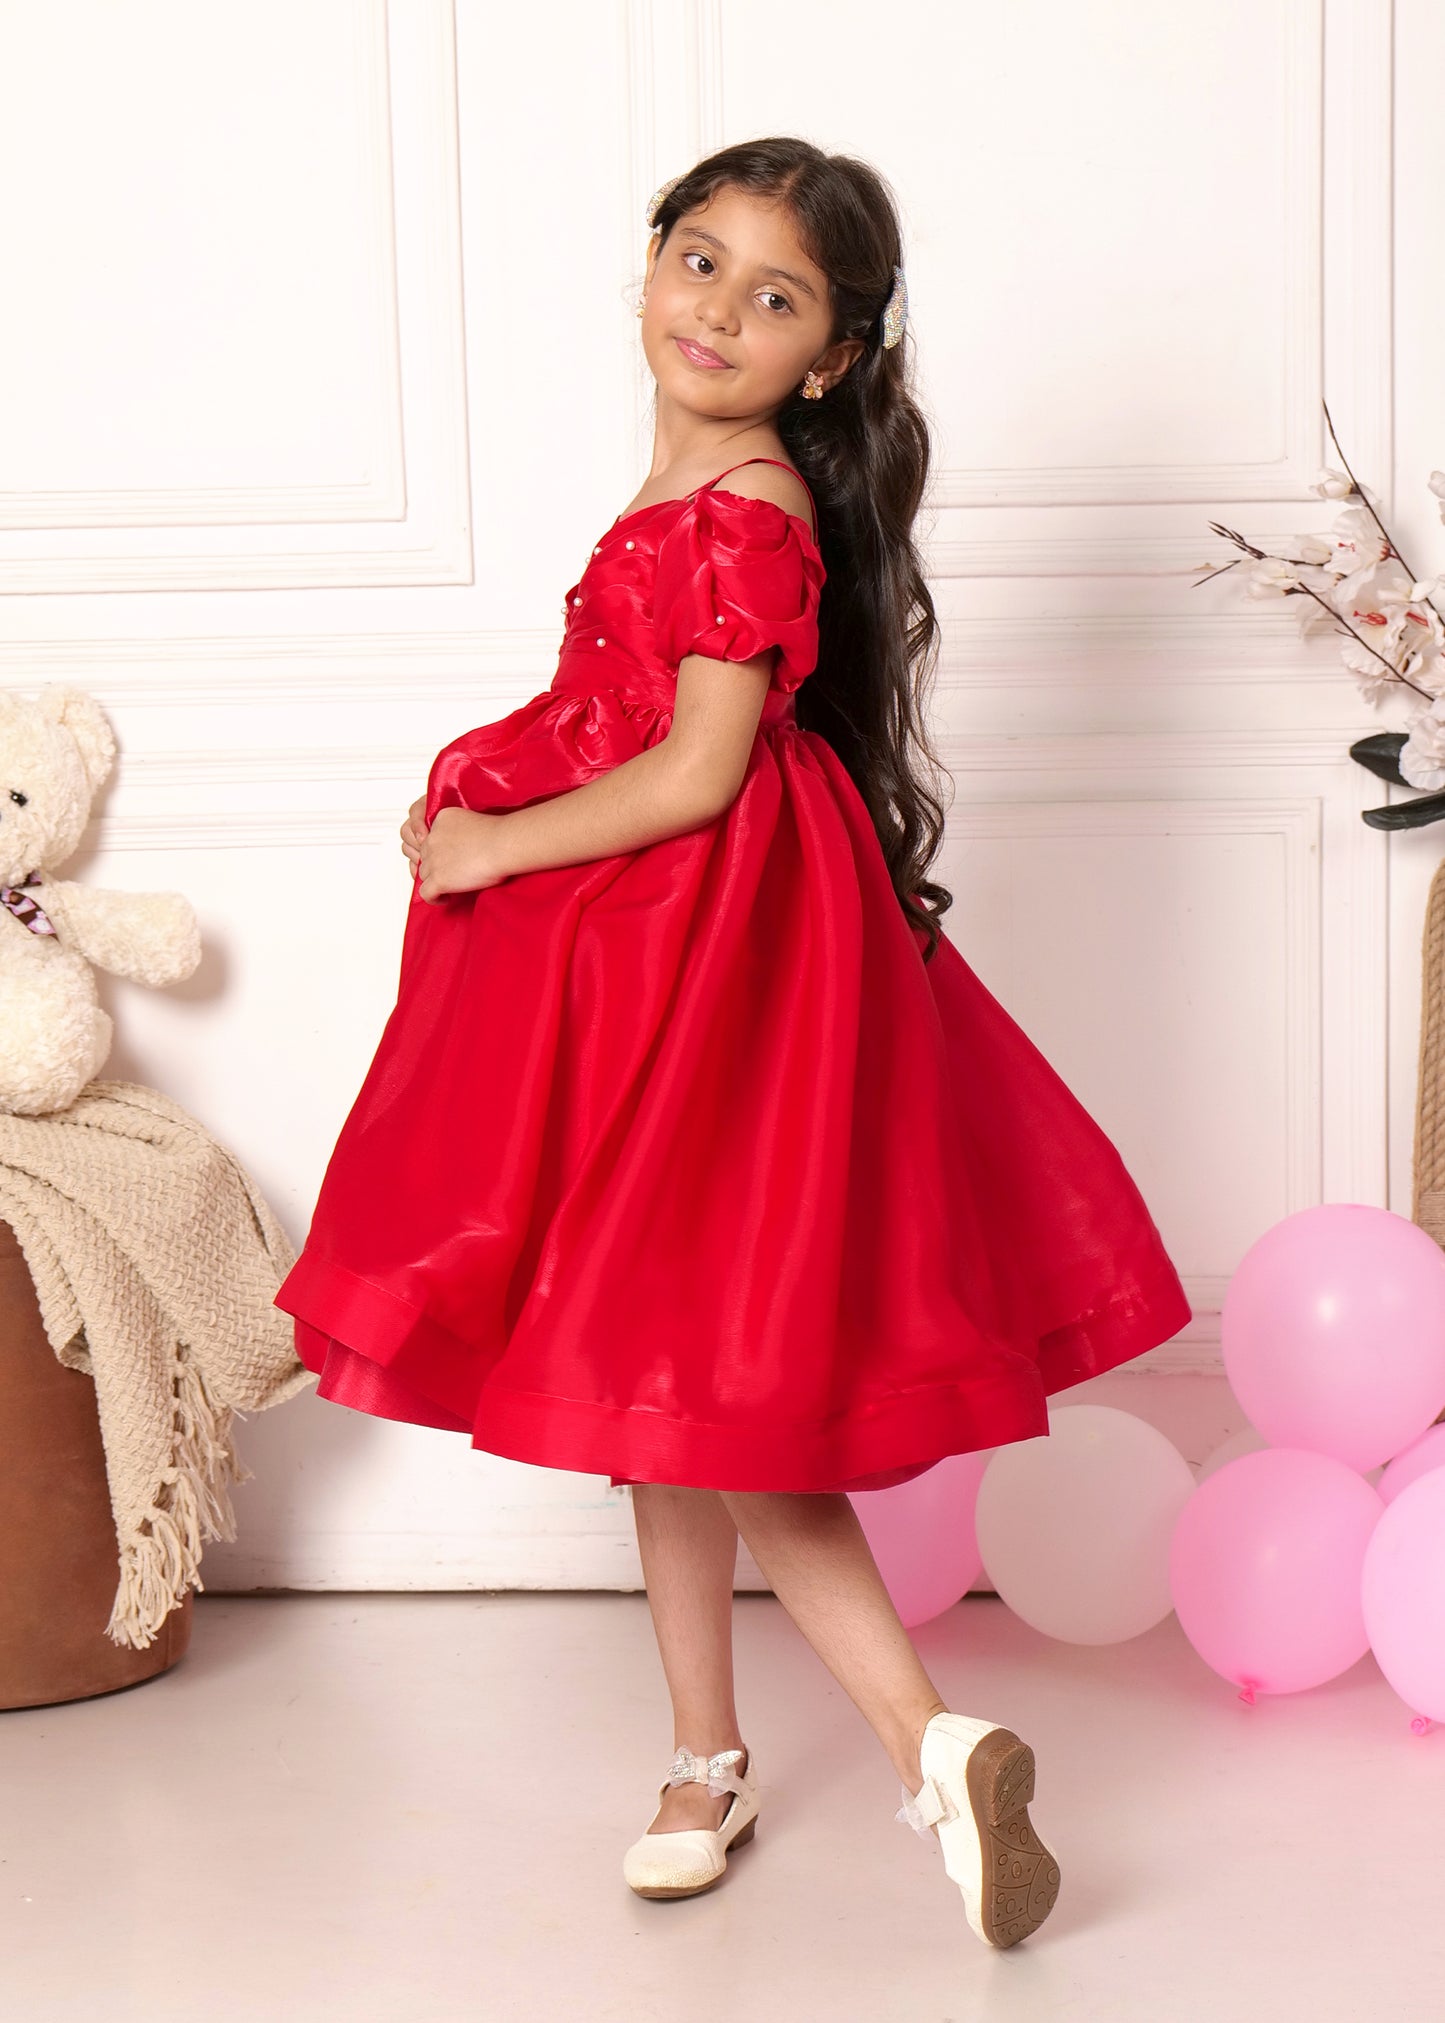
55	753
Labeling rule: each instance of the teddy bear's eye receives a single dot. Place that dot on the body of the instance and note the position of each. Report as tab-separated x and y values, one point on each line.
20	800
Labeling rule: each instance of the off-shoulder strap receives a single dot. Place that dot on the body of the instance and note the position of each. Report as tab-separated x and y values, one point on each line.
782	467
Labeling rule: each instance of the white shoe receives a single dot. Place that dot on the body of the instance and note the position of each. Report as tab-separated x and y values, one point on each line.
978	1780
682	1863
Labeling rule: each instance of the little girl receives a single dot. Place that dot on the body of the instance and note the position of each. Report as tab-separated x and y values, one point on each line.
693	1152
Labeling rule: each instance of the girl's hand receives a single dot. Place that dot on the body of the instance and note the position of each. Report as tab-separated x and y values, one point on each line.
413	829
459	853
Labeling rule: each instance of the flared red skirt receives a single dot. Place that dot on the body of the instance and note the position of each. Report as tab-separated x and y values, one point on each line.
682	1165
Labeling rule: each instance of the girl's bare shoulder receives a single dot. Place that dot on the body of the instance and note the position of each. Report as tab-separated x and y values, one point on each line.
768	481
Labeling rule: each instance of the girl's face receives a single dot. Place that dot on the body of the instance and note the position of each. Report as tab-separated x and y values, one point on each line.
733	281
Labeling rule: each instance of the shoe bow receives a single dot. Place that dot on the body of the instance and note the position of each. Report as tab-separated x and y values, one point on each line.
923	1809
710	1770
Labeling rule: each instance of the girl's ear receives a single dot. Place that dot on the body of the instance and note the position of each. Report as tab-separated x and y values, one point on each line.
840	356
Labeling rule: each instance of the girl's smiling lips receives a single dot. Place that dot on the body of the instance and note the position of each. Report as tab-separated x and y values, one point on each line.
699	354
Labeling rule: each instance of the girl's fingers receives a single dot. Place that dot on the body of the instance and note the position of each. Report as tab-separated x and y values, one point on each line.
414	830
413	835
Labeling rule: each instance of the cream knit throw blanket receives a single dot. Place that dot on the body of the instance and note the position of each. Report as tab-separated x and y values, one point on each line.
155	1261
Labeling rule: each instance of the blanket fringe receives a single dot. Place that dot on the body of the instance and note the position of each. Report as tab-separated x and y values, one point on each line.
155	1260
163	1556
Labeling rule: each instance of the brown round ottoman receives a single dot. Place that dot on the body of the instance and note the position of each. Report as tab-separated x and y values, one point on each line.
58	1556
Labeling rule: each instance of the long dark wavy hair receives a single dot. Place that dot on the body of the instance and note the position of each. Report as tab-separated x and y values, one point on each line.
864	450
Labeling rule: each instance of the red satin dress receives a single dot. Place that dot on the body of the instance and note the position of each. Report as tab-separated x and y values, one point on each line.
681	1165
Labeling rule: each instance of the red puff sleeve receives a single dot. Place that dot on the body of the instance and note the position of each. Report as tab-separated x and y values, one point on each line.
735	576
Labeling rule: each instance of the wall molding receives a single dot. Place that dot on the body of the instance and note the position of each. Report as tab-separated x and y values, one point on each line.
409	523
1255	645
1336	110
1092	754
1300	239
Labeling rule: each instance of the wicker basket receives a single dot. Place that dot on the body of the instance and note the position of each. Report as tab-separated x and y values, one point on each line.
1429	1172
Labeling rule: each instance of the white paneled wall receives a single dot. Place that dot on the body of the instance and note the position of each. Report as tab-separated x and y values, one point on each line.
321	377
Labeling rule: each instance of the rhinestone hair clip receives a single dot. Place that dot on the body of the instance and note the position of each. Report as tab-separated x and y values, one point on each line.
659	198
894	319
895	311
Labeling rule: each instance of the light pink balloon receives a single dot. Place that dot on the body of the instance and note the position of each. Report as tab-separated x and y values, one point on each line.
1415	1460
1402	1589
1265	1565
1333	1332
921	1533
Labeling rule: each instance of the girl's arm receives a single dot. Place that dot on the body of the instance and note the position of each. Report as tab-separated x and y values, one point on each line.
680	784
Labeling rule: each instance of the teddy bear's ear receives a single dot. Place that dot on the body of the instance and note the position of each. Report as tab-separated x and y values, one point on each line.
83	717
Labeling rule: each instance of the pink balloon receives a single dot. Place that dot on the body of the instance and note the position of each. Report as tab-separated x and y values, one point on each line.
1415	1460
1402	1589
1333	1332
1264	1566
921	1533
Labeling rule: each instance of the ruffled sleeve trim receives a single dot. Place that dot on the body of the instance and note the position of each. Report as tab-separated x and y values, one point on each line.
736	576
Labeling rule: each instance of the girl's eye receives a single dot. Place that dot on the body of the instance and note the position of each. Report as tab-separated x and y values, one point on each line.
695	254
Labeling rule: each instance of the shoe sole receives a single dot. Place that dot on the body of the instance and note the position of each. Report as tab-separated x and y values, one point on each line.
739	1839
1009	1878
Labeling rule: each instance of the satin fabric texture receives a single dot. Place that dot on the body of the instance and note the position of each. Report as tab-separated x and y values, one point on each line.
682	1165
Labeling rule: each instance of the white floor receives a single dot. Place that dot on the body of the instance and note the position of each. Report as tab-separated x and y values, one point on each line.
378	1807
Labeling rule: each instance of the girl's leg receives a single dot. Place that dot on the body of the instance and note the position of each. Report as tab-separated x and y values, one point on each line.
689	1546
816	1558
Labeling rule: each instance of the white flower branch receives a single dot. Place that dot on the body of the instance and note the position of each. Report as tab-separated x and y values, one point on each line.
1356	571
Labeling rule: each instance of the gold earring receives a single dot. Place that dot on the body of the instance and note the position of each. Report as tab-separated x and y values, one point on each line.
642	305
812	387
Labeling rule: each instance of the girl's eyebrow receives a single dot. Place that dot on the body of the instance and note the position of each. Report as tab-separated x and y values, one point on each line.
782	273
